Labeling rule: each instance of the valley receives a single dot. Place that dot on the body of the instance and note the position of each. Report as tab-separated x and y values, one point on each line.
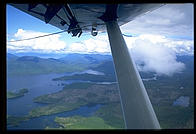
163	92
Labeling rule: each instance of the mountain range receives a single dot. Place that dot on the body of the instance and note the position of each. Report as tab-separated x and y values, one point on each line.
163	91
24	65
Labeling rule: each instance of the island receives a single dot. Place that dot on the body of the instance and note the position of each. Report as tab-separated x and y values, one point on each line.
20	93
16	120
74	96
79	122
163	92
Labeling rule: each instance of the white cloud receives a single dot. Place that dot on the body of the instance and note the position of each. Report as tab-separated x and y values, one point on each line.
77	47
155	46
157	53
171	43
98	44
46	44
168	20
151	53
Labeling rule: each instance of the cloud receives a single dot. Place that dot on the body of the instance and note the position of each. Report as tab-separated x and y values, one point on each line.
44	44
168	20
161	34
98	44
152	55
179	46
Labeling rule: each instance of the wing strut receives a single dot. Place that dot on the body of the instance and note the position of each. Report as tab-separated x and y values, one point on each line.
137	108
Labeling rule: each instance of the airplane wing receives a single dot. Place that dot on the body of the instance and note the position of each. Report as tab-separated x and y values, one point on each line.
82	17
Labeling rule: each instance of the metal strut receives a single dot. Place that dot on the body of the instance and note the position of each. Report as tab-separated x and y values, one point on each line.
73	22
137	109
53	9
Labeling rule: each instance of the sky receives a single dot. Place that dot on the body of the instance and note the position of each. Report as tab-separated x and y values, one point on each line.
159	36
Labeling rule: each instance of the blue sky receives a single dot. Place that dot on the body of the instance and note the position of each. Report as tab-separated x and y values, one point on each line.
17	19
172	21
159	36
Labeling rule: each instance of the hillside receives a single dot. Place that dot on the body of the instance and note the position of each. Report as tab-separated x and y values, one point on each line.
34	65
26	65
168	94
163	92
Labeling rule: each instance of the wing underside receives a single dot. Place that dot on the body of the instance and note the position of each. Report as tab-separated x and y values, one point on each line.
78	18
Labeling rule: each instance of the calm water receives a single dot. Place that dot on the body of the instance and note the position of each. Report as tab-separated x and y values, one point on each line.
44	121
38	85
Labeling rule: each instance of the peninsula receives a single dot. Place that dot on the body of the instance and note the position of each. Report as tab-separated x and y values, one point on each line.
20	93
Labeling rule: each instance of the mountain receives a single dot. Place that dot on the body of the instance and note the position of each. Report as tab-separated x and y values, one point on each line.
25	65
76	58
75	62
41	55
106	67
11	56
61	55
